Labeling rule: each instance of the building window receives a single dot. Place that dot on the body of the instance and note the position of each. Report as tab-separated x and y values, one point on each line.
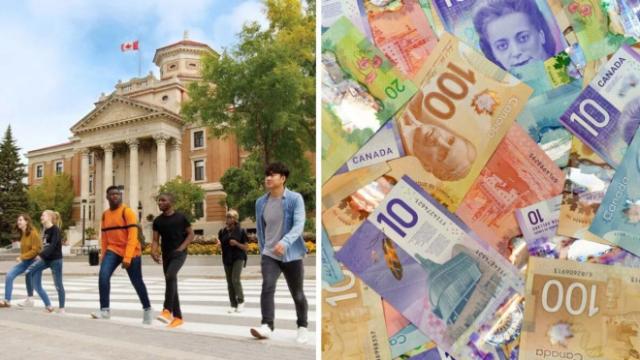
90	159
199	209
59	167
198	139
39	171
90	184
198	232
198	170
165	98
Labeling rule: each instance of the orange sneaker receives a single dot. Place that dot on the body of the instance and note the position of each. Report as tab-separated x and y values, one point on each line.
165	316
175	323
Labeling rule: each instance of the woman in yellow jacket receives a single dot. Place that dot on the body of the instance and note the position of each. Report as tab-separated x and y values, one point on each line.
30	245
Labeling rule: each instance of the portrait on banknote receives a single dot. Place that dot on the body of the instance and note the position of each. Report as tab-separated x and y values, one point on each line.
512	33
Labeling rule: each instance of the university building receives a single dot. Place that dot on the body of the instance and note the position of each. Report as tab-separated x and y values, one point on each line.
135	138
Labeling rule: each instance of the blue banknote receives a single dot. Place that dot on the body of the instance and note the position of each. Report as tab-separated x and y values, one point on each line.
618	217
331	272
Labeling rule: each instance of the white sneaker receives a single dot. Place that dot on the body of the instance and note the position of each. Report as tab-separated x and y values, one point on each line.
231	310
26	303
101	314
240	308
263	332
303	335
61	311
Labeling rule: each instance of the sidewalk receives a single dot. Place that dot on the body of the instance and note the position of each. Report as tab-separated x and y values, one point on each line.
199	266
33	334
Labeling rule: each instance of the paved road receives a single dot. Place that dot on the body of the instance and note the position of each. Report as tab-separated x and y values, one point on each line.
208	332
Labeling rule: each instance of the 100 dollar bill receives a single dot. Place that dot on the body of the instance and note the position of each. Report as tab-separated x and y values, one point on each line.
580	311
462	111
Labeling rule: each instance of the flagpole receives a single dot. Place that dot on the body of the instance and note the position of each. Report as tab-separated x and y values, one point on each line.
139	61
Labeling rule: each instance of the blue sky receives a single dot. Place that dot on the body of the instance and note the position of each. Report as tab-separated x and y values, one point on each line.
57	57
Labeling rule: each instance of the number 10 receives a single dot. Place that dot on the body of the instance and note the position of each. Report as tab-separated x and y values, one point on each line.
590	120
401	220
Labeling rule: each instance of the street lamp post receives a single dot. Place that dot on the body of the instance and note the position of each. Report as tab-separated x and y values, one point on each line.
84	206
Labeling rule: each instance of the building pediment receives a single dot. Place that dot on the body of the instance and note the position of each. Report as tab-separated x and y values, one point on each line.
120	111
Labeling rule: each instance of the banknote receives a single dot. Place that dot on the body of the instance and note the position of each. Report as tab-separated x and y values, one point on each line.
406	339
384	145
518	174
540	118
345	215
393	319
595	30
353	321
607	113
587	179
361	90
427	351
539	220
580	311
566	66
462	111
349	198
429	266
618	217
331	272
497	27
333	10
402	31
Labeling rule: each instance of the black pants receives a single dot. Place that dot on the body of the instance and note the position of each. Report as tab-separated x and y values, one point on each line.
294	275
171	265
234	286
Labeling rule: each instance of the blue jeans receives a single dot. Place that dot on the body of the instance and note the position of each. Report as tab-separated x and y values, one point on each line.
34	275
108	266
15	271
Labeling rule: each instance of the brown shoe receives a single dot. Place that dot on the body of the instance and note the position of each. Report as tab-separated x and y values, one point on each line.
5	304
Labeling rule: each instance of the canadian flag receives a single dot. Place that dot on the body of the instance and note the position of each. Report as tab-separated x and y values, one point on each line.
129	46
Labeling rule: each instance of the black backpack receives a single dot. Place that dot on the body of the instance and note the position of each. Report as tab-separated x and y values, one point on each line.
141	238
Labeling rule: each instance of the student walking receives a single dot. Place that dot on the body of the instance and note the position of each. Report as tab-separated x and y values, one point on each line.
173	233
280	218
233	242
30	245
50	257
120	245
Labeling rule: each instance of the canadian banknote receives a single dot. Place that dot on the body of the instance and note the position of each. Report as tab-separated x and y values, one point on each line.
463	109
361	90
331	272
580	311
598	33
497	28
607	113
540	118
427	264
618	217
353	321
587	179
401	30
518	174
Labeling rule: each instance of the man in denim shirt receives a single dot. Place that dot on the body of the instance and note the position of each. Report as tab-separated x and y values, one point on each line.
280	220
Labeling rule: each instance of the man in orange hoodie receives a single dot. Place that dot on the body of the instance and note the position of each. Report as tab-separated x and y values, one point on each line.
120	245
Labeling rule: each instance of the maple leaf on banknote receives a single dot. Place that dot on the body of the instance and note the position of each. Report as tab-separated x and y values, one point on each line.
560	333
485	102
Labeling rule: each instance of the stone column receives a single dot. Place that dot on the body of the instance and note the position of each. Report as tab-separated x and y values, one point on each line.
176	154
161	171
84	174
98	188
134	165
107	177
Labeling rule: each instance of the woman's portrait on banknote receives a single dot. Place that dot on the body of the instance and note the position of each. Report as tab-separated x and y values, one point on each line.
513	33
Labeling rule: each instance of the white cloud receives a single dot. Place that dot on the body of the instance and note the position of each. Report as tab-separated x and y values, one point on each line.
228	26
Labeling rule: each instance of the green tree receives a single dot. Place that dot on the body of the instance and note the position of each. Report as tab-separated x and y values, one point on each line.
54	193
13	196
262	92
244	185
187	195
